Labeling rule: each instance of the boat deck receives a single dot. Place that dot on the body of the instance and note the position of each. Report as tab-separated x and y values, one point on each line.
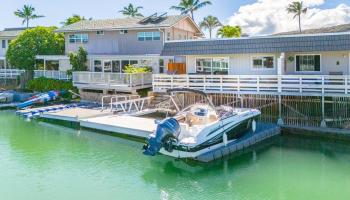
122	124
76	114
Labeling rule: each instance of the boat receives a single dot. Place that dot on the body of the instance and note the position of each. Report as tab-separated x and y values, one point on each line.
200	128
41	98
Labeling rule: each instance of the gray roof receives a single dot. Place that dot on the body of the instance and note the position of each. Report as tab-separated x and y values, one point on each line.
270	44
331	29
122	23
11	32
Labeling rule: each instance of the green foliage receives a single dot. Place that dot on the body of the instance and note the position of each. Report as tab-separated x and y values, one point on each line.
78	60
27	13
37	41
210	23
297	8
131	11
189	6
43	84
73	19
132	69
230	31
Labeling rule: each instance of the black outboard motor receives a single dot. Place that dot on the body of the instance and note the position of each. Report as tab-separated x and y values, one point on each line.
166	134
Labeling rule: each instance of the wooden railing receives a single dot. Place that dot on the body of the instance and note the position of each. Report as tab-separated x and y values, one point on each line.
10	73
315	85
121	81
59	75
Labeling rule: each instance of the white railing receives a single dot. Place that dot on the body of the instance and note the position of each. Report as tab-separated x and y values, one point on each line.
100	80
59	75
10	73
257	84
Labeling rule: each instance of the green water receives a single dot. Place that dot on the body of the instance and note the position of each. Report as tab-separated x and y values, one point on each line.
40	161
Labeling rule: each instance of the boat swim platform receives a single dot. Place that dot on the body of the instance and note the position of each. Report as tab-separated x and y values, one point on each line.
263	133
127	125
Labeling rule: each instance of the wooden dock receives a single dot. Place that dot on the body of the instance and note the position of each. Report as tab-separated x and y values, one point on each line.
76	114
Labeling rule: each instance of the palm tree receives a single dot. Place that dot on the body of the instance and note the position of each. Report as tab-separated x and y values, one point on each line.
132	11
229	31
297	9
27	13
189	6
209	23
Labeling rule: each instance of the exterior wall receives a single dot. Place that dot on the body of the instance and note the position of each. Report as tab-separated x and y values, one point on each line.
112	42
182	30
328	63
64	65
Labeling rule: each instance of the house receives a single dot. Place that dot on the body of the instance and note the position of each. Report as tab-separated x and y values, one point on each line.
6	36
306	64
112	44
342	28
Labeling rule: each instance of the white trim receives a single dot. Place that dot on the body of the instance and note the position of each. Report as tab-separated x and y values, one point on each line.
263	68
52	57
307	72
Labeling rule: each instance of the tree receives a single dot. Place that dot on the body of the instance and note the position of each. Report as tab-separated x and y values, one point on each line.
73	19
210	23
297	9
190	6
36	41
132	11
78	60
27	13
229	31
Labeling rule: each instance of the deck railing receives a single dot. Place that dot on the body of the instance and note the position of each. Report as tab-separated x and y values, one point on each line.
315	85
10	73
122	81
59	75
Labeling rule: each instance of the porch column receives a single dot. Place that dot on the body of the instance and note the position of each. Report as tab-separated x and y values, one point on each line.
281	63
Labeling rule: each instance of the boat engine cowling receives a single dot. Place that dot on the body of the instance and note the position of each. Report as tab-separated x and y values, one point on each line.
166	134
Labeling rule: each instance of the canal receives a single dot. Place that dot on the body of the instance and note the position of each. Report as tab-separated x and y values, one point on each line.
41	161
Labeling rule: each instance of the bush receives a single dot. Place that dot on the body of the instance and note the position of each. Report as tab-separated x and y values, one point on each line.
132	69
78	60
43	84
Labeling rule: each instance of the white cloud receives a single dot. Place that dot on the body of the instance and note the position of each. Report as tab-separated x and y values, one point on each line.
270	16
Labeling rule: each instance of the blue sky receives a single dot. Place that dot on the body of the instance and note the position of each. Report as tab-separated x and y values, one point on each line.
56	11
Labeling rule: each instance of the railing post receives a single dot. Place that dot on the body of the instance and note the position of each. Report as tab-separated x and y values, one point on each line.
172	81
238	84
346	85
205	82
258	84
323	85
300	85
279	80
130	75
221	82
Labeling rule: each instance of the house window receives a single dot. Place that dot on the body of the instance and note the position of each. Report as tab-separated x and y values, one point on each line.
2	64
308	63
3	44
52	65
148	36
97	65
122	32
168	37
79	38
145	63
264	62
116	66
212	65
161	66
100	32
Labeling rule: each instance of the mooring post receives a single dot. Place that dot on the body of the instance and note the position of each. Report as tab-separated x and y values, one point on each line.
323	122
280	120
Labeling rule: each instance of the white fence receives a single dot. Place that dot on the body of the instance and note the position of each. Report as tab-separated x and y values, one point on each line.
10	73
315	85
59	75
116	81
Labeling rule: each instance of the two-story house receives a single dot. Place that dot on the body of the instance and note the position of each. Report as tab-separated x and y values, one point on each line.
112	44
6	36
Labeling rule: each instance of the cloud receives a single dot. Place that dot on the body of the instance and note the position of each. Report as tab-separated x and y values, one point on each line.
270	16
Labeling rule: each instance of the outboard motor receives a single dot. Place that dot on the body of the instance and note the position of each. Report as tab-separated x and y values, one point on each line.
167	133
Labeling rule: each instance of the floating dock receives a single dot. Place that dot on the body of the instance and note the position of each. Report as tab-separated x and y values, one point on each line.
121	124
263	132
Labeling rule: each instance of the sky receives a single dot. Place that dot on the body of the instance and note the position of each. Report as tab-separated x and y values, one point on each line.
256	17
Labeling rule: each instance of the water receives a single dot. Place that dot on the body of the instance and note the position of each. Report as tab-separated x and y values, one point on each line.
39	161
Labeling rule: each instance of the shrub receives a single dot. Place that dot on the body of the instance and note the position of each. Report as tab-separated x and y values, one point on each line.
132	69
43	84
78	60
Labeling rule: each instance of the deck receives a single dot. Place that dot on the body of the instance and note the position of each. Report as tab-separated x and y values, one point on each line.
75	114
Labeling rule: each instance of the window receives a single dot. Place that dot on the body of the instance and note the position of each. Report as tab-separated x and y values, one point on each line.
148	36
3	42
116	66
79	38
145	63
52	65
308	63
161	66
2	64
264	62
212	65
168	36
100	32
107	66
122	32
97	65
